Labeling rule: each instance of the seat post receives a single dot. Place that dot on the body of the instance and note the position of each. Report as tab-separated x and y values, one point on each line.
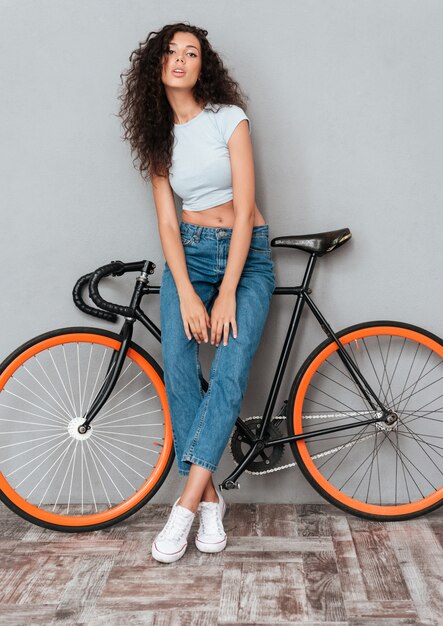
309	271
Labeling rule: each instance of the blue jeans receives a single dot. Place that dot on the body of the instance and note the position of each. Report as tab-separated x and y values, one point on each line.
203	422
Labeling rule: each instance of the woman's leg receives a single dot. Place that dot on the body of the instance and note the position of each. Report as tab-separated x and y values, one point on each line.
183	378
199	487
181	364
219	408
210	492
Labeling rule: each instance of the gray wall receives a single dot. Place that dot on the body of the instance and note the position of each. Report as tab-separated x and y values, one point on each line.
345	103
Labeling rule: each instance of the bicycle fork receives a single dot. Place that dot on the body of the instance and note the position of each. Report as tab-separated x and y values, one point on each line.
114	368
118	356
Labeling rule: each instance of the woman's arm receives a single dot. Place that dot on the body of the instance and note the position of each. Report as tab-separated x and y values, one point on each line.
243	189
169	231
193	311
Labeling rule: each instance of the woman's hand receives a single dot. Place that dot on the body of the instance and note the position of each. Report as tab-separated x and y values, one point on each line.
195	316
222	316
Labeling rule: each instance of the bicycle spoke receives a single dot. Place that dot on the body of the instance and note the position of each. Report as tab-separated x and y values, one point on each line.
103	416
135	445
57	419
130	417
371	454
340	401
45	456
414	387
99	449
62	403
427	415
417	439
28	450
329	451
412	384
90	481
50	482
71	397
72	473
340	384
63	418
354	439
413	435
119	458
370	473
61	456
92	454
403	455
66	474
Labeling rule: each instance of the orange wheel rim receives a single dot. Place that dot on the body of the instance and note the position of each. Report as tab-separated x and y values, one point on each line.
146	487
387	510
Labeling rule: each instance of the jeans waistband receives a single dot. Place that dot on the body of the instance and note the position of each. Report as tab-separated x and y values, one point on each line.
212	232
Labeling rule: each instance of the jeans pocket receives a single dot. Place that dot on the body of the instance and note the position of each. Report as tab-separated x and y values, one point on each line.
187	239
260	245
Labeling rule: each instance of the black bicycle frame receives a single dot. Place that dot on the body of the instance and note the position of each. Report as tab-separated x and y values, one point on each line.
257	441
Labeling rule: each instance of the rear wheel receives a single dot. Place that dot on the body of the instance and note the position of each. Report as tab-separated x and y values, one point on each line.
377	471
52	475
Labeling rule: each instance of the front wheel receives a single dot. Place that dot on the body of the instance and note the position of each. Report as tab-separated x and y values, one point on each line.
378	471
55	477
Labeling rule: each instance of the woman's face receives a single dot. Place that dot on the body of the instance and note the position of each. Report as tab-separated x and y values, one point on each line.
184	53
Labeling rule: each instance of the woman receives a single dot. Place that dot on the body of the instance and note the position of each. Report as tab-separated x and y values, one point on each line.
184	117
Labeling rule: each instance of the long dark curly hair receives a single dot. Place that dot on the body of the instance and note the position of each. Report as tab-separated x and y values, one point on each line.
147	117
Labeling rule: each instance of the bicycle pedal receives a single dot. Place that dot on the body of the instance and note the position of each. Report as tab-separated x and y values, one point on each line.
230	484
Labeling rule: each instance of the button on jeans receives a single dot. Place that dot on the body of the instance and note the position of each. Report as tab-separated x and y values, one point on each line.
203	422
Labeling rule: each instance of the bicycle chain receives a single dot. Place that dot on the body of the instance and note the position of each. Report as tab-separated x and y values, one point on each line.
315	456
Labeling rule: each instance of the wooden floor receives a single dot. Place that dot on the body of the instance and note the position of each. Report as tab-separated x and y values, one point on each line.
284	564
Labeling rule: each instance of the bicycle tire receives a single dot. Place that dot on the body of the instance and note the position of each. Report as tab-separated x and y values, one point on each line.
23	359
310	453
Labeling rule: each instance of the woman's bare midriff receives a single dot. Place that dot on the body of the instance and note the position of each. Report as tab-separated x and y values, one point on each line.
221	216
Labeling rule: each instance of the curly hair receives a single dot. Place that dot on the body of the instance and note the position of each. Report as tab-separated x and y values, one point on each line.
147	117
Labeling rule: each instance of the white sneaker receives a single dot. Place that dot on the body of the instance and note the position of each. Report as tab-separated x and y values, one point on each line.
211	536
171	542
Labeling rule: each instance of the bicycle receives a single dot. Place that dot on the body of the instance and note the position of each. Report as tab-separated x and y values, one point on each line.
103	444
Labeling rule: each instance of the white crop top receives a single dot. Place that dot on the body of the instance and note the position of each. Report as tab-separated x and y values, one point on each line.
200	173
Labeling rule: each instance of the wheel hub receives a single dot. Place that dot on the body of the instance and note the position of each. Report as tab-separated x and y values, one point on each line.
390	423
73	429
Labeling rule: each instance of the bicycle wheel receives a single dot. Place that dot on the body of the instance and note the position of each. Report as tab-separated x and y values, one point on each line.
379	471
52	475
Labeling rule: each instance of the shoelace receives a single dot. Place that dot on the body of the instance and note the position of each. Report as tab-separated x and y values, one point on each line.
210	520
175	526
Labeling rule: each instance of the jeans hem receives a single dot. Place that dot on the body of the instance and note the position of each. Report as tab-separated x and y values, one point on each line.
196	461
207	396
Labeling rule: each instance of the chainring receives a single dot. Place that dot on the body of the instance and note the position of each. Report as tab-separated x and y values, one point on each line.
268	457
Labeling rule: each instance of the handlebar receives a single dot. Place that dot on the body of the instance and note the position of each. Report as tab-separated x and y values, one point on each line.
107	310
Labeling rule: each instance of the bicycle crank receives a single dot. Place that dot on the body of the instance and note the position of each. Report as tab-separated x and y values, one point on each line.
265	461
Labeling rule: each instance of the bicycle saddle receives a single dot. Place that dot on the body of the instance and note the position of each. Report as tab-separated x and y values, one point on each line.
319	243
